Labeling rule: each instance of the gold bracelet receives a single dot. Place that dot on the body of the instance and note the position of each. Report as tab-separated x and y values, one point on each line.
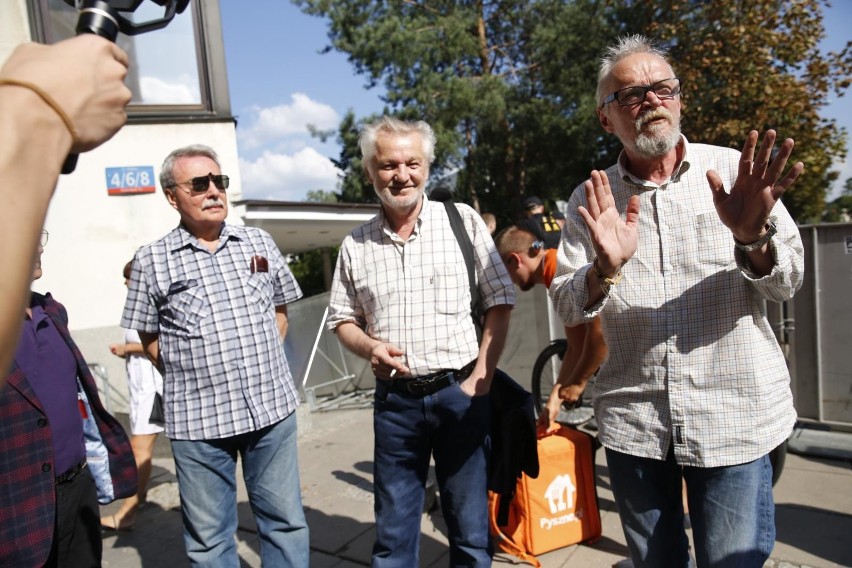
605	281
51	102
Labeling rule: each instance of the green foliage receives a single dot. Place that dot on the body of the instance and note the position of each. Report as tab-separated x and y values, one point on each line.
354	187
508	85
310	270
754	66
840	209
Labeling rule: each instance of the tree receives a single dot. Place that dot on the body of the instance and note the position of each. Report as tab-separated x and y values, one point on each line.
508	85
479	72
840	209
354	187
753	66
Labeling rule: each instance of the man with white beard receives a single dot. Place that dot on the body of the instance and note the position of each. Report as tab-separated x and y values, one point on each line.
209	301
695	386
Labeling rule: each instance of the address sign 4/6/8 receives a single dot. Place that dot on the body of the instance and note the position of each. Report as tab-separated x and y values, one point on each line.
130	180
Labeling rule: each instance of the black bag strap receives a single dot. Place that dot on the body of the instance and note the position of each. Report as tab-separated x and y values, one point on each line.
466	246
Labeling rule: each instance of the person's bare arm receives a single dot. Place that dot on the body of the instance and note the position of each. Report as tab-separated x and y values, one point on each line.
84	76
124	349
383	357
494	330
281	320
591	356
151	343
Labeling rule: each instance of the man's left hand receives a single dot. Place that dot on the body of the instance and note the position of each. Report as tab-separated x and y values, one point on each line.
759	185
477	384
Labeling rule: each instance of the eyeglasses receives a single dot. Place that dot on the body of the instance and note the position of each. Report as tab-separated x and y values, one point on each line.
630	96
44	236
201	184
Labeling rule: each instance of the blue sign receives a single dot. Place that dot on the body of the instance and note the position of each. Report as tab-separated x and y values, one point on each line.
130	180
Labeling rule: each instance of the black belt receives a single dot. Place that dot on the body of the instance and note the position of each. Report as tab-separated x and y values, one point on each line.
430	384
71	473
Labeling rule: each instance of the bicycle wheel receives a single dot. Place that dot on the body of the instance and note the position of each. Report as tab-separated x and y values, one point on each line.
545	372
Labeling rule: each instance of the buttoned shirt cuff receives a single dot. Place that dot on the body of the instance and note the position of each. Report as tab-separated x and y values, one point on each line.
776	285
594	310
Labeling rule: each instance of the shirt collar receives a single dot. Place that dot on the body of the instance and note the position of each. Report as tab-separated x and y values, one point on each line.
421	216
630	179
182	238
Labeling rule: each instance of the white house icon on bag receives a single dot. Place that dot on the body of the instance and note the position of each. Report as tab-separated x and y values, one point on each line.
560	493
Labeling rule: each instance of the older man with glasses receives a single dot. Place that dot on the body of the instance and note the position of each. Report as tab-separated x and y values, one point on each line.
695	386
209	301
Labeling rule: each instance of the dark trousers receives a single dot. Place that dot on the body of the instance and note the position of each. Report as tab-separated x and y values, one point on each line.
77	533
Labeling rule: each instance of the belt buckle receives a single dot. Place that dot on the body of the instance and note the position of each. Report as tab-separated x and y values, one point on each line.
419	388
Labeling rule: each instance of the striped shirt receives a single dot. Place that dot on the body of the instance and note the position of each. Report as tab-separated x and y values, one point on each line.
415	294
692	360
225	369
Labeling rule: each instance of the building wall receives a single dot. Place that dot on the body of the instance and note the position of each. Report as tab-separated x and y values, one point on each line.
93	234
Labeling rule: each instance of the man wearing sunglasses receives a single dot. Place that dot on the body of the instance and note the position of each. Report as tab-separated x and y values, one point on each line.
209	302
530	262
695	386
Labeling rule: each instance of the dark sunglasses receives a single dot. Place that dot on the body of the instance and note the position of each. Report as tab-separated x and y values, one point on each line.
201	184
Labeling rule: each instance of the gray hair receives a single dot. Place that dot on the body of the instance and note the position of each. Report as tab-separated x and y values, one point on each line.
625	47
391	125
167	176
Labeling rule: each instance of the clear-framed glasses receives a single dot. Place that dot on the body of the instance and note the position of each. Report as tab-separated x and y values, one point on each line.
44	236
200	184
630	96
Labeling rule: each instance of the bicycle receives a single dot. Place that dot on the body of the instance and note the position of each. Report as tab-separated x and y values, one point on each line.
544	374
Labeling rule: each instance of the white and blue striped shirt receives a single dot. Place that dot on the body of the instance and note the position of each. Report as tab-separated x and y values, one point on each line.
225	369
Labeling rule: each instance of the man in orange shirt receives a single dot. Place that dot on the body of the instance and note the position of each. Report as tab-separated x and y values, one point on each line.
530	263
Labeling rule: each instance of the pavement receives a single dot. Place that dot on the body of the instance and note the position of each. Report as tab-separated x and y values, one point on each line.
813	510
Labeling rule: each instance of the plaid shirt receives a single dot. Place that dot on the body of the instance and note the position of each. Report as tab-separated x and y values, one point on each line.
225	369
692	360
27	475
416	294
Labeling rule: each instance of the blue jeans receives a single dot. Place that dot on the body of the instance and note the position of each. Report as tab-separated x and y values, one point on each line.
206	472
731	510
408	430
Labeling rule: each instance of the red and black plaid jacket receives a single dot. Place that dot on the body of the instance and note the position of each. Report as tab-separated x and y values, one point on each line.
27	476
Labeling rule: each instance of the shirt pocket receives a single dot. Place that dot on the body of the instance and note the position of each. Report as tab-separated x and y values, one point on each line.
714	241
450	284
186	307
259	287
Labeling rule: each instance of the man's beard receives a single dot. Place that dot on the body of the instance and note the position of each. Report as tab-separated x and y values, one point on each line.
661	139
399	202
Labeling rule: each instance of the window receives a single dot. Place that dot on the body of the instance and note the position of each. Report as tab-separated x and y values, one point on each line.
169	75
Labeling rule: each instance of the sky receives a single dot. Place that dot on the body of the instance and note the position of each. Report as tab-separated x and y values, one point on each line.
280	82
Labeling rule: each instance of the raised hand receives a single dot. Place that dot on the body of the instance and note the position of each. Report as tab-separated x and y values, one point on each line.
613	238
746	209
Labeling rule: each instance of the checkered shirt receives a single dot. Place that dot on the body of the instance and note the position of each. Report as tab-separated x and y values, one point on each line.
692	360
416	294
225	369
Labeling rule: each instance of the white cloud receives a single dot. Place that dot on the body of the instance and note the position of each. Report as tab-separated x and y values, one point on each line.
280	121
156	91
287	177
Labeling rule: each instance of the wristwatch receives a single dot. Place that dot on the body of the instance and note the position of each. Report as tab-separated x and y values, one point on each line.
771	229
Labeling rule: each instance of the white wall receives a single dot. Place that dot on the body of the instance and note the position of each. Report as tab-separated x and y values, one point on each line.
14	26
93	234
